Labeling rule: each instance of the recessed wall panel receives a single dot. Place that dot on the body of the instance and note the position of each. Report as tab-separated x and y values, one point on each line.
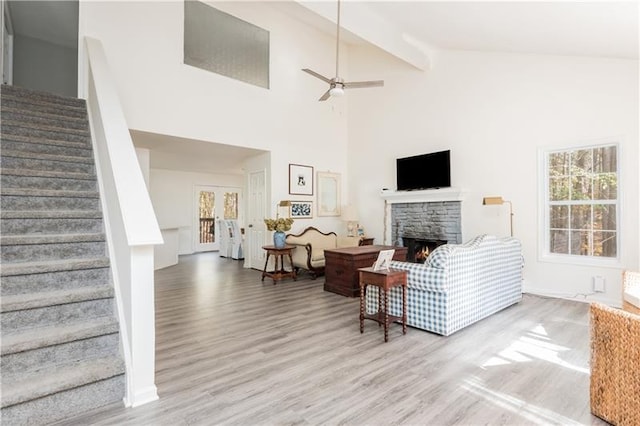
218	42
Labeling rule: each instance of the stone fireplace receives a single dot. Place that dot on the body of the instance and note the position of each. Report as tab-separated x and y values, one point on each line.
423	220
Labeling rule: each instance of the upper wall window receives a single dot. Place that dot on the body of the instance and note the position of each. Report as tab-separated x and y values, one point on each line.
581	203
218	42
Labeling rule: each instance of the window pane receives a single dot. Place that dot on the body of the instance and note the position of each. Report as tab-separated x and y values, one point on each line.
559	217
207	214
559	188
581	162
559	242
604	160
580	243
581	217
559	164
230	205
604	217
581	188
605	186
604	244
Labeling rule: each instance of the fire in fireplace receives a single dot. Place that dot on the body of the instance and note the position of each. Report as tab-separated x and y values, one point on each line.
418	249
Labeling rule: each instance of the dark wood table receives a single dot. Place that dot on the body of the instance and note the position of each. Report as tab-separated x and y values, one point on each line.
384	281
279	272
341	266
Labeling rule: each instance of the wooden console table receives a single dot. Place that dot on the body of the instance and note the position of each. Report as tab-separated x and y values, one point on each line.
341	266
384	281
279	272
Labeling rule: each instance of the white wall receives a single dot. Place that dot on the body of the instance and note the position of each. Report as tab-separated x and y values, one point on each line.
143	42
40	65
495	111
172	195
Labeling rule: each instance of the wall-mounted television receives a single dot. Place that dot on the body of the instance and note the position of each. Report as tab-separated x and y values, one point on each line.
426	171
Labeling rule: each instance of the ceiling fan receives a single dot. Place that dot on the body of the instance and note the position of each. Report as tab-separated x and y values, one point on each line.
336	84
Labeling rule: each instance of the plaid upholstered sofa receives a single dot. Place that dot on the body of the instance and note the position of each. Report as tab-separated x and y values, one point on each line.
458	284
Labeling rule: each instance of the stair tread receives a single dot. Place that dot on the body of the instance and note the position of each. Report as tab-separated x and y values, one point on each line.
47	173
39	337
18	302
52	157
29	239
30	192
40	114
51	214
45	141
22	93
43	127
25	387
40	267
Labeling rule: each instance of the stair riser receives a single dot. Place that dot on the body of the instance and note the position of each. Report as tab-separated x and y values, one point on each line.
50	356
36	182
47	148
31	96
50	226
53	281
31	120
12	202
48	165
52	315
45	133
65	404
58	251
46	107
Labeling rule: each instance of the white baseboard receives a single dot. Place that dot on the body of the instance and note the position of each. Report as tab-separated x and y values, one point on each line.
578	297
144	396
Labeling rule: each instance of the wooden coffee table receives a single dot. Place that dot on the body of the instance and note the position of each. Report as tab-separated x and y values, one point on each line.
341	266
279	272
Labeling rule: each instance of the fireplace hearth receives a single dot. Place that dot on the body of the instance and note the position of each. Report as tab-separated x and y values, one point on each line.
418	249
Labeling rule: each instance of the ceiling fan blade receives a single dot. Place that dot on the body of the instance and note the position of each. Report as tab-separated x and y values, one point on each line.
325	96
315	74
360	84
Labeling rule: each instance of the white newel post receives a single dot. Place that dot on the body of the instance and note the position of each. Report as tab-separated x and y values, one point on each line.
143	321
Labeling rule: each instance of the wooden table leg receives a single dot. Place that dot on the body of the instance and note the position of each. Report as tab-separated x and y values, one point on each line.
379	304
363	296
404	309
293	270
386	316
264	271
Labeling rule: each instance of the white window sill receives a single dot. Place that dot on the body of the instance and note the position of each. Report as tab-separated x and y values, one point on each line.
580	260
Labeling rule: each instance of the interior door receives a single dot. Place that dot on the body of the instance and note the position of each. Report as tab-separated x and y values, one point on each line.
256	212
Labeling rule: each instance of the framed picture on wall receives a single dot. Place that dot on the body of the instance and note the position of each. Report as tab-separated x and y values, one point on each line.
301	209
300	179
328	194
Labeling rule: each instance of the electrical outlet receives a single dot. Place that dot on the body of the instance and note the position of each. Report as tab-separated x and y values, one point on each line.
599	284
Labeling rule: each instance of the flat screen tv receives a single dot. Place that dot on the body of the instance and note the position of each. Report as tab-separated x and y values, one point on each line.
426	171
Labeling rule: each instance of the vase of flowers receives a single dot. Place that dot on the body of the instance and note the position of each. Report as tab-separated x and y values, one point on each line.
279	225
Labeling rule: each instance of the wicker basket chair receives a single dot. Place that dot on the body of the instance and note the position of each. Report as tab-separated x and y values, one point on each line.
630	286
615	365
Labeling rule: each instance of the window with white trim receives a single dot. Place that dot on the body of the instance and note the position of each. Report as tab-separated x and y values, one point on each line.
581	212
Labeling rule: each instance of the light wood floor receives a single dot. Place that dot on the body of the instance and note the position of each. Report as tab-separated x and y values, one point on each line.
234	350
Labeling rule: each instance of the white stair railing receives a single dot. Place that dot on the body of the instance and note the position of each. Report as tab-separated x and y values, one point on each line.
130	224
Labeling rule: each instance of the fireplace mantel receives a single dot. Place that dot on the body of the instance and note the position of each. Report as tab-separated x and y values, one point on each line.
425	196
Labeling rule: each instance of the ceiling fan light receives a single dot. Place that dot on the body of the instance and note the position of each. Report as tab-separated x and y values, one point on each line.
336	91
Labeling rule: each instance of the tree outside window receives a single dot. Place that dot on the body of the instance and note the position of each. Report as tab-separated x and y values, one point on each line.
582	201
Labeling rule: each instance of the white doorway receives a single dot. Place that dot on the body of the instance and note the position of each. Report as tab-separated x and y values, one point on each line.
213	203
256	212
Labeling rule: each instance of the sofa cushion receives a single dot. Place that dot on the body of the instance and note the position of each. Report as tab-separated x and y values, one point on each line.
439	257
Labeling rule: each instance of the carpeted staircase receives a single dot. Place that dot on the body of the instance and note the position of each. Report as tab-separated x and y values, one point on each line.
60	339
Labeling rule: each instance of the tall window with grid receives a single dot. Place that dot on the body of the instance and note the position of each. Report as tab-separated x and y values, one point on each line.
582	202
